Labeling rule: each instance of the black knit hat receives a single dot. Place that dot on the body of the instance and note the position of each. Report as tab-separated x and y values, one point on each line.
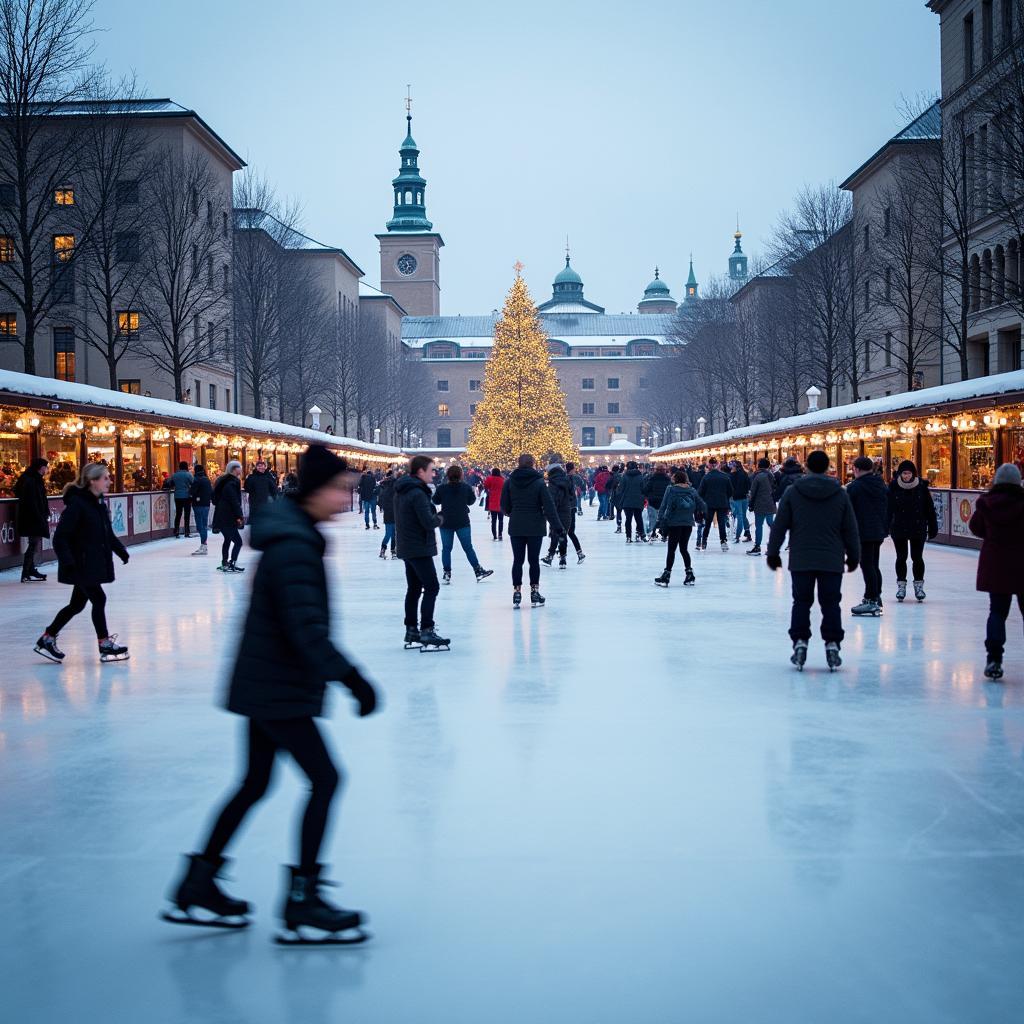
817	462
318	466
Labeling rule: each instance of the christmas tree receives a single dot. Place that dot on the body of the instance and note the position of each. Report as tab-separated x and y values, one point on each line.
523	407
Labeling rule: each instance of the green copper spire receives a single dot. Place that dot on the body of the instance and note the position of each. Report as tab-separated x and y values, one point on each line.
410	206
738	261
691	284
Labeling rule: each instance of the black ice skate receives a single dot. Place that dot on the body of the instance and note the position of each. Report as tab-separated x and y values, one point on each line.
198	891
412	637
548	559
755	550
482	573
383	552
46	645
663	579
867	607
517	599
832	655
536	598
994	669
901	589
690	580
111	650
580	558
562	564
235	567
618	529
309	920
431	643
919	590
799	655
35	576
446	576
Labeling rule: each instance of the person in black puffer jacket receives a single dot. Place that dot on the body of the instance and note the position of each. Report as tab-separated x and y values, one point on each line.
911	520
415	523
386	504
285	660
739	504
655	487
870	500
630	494
85	544
368	498
227	515
716	490
527	504
612	490
261	487
201	496
563	494
32	519
791	472
456	497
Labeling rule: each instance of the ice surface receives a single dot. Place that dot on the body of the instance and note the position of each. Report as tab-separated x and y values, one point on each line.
625	807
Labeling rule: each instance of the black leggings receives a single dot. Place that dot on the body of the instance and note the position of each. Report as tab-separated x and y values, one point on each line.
301	738
80	597
523	547
916	557
561	543
638	515
678	537
231	537
420	581
497	524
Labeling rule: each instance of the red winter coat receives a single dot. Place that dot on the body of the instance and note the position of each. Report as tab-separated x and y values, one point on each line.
999	520
601	481
493	486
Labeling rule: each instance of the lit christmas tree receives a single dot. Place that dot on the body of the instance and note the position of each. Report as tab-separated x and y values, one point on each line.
523	407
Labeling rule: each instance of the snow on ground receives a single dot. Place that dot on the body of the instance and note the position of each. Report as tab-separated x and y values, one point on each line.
624	807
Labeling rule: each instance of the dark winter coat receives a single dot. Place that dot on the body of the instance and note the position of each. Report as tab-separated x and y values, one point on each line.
999	520
790	473
761	499
455	501
33	514
696	476
716	489
911	511
816	513
630	491
612	488
386	498
84	541
285	656
181	481
367	487
493	486
227	500
563	494
680	507
655	487
527	503
261	488
415	520
202	491
740	483
870	499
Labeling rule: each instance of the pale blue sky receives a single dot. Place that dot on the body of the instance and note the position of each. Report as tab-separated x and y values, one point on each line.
638	130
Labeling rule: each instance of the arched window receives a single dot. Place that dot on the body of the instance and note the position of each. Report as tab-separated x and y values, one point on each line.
1012	270
999	277
974	285
986	279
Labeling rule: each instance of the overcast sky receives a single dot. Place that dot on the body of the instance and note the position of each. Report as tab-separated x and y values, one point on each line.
638	130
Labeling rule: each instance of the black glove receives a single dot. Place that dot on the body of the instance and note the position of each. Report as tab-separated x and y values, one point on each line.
362	691
933	534
124	557
773	562
851	564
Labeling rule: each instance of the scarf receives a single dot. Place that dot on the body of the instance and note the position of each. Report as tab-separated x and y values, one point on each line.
907	487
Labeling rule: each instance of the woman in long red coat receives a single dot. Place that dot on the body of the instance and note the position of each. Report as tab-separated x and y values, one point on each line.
999	520
493	485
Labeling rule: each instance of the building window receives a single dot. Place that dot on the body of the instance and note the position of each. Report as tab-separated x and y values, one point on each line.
444	438
6	249
224	225
613	352
887	221
969	47
588	409
867	294
476	385
128	323
888	349
198	392
127	247
227	349
209	270
64	196
227	278
7	194
64	353
867	237
130	386
986	31
643	350
209	344
472	409
442	385
127	193
227	399
442	409
213	396
588	384
8	326
613	383
613	408
63	276
643	383
589	437
585	353
867	355
888	284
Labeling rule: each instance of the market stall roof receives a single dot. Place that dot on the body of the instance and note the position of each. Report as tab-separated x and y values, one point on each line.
905	404
25	385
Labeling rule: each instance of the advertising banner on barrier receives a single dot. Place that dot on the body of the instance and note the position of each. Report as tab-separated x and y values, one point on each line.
962	510
119	515
141	521
161	512
941	500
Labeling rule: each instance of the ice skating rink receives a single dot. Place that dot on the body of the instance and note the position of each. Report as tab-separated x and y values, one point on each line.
623	808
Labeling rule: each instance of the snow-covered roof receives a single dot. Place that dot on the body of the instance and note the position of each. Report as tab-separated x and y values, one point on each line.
905	405
29	386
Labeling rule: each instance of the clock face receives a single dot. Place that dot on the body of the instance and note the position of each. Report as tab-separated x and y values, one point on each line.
406	264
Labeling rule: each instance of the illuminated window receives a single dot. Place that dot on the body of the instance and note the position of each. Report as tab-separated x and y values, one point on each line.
64	197
64	353
128	322
130	387
6	249
8	326
63	276
63	248
442	409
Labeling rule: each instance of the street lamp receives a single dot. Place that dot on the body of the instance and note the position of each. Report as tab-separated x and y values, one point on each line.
376	435
813	394
701	424
678	433
315	412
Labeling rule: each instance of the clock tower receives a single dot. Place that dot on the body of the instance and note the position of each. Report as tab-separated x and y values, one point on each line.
410	249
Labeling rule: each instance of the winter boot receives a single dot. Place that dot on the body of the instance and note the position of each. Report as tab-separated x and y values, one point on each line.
832	655
994	668
548	559
46	645
799	655
517	598
901	589
690	579
198	888
304	907
412	637
482	573
663	579
446	576
536	598
919	590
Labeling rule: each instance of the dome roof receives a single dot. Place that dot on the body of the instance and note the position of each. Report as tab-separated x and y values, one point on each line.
567	275
656	288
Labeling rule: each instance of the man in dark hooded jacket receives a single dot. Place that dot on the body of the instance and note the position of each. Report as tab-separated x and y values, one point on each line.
655	487
630	492
870	500
563	494
816	513
716	490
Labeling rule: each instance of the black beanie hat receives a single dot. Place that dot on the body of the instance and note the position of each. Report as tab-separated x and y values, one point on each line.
906	464
318	466
817	462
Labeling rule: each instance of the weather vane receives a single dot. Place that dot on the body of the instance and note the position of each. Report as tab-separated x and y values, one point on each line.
408	99
518	266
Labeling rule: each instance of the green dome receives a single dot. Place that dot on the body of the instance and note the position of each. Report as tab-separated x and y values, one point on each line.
568	276
656	288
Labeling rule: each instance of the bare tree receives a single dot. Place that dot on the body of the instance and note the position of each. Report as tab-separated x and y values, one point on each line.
44	66
414	406
339	361
184	303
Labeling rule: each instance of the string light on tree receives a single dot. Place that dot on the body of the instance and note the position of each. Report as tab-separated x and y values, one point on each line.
523	406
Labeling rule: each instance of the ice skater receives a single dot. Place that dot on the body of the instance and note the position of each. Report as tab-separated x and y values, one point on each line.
911	520
284	662
679	509
492	486
32	520
455	498
816	513
85	544
227	515
561	488
870	500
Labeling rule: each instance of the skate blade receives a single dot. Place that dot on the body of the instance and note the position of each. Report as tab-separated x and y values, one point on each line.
349	937
177	916
435	649
113	657
411	647
42	652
